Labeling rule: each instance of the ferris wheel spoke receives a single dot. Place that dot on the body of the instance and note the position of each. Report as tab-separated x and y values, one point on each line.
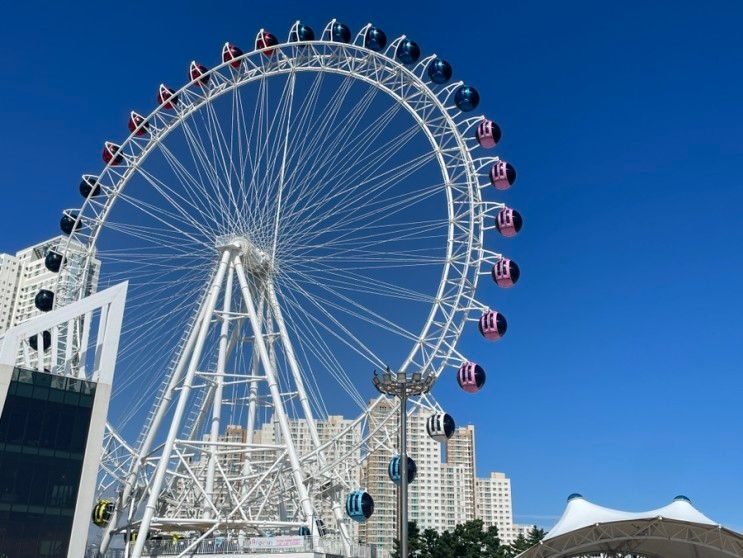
326	172
209	181
223	156
311	340
194	185
273	178
178	201
330	148
306	188
347	338
382	208
415	232
343	209
159	236
162	215
319	127
345	279
353	153
245	158
354	309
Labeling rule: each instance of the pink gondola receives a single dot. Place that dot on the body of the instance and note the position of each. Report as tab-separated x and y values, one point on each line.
488	133
492	325
508	222
471	377
505	273
502	175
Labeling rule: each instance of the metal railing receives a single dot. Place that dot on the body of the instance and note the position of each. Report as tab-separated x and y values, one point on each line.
221	545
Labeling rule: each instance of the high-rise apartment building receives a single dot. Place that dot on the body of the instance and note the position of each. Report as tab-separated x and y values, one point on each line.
494	506
23	275
381	527
443	493
460	456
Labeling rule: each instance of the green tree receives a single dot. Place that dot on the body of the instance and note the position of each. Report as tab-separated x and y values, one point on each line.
523	543
414	542
429	540
469	540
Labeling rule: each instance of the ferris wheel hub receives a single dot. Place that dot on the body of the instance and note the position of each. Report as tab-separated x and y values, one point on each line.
254	259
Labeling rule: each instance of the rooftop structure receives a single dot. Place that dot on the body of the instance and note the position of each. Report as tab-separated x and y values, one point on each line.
677	529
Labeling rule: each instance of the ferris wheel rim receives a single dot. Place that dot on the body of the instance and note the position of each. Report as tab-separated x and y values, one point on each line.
172	119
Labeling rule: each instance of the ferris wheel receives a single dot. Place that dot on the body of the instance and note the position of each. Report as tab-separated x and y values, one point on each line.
289	220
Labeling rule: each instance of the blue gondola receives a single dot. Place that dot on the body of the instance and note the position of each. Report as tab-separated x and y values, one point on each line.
302	33
375	39
408	52
89	186
439	71
44	300
359	505
340	33
46	341
394	470
466	98
53	261
69	222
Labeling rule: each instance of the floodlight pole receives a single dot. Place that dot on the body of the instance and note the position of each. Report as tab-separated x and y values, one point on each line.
402	386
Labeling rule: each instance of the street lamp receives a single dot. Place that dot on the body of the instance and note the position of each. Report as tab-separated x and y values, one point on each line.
402	386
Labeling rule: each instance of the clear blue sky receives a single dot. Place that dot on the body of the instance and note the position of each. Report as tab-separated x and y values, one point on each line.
619	377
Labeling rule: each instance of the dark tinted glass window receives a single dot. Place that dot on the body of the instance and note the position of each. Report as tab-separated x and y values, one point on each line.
43	431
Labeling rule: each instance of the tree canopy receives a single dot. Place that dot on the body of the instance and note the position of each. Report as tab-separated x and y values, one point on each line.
467	540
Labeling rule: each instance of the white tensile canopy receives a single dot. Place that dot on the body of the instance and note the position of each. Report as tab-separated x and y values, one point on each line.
677	530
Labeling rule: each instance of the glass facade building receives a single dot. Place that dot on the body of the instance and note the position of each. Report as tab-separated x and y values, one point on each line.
43	432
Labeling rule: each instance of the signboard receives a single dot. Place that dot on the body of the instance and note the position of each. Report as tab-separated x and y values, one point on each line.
286	542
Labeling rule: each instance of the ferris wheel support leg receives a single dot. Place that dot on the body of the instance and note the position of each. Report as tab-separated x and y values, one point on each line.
218	391
304	401
280	412
162	407
162	465
253	395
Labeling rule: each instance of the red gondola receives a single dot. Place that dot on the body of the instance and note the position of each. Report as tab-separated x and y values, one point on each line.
111	154
198	73
167	97
137	124
231	53
264	41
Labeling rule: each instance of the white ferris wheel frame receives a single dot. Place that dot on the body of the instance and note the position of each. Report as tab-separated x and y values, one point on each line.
439	119
443	124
